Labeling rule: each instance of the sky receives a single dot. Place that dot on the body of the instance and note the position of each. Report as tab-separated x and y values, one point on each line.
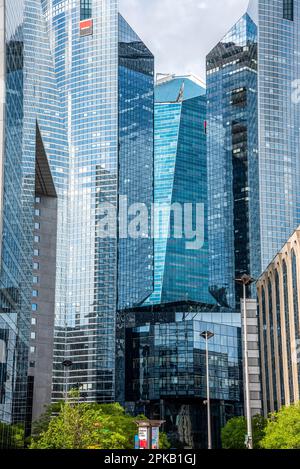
181	32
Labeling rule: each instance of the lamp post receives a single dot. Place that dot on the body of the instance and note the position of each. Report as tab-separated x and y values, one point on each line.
208	335
247	280
67	365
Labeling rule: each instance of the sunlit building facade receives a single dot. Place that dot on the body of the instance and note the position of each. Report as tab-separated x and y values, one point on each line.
279	122
279	305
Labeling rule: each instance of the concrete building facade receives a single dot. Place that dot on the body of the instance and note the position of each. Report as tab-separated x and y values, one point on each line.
254	369
279	327
43	289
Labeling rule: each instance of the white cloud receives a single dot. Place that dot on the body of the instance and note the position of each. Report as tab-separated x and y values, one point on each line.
181	32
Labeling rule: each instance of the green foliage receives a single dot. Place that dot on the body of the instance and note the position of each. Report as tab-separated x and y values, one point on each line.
283	429
85	426
42	424
11	436
234	433
164	442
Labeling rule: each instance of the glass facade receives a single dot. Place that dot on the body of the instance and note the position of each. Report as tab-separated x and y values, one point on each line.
32	117
254	117
180	177
279	116
136	153
85	9
17	221
106	89
288	10
166	368
234	232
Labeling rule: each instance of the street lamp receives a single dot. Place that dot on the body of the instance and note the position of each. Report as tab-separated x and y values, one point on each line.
247	280
67	365
208	335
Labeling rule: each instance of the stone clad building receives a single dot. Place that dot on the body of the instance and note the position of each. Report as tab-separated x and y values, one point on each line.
278	296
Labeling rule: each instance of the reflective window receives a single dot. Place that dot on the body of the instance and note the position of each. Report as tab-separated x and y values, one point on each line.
288	9
85	9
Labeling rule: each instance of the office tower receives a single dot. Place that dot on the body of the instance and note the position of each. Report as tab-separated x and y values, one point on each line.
279	119
32	135
105	77
180	178
279	303
234	230
272	194
166	369
164	360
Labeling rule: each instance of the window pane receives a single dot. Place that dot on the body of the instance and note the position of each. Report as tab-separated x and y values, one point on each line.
85	9
288	10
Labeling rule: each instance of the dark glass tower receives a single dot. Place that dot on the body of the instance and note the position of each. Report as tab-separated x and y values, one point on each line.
105	76
253	135
234	230
136	166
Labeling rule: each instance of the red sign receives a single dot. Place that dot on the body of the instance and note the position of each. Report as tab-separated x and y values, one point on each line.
86	24
143	444
86	27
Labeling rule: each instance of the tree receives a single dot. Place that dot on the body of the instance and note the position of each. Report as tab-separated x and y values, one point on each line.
42	424
234	433
283	429
85	426
11	436
164	442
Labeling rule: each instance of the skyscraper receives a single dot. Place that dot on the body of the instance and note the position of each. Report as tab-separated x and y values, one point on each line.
180	271
234	231
162	369
105	76
279	122
32	134
253	139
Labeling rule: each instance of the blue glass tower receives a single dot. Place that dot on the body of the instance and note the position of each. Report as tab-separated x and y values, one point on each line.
180	273
105	76
253	130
